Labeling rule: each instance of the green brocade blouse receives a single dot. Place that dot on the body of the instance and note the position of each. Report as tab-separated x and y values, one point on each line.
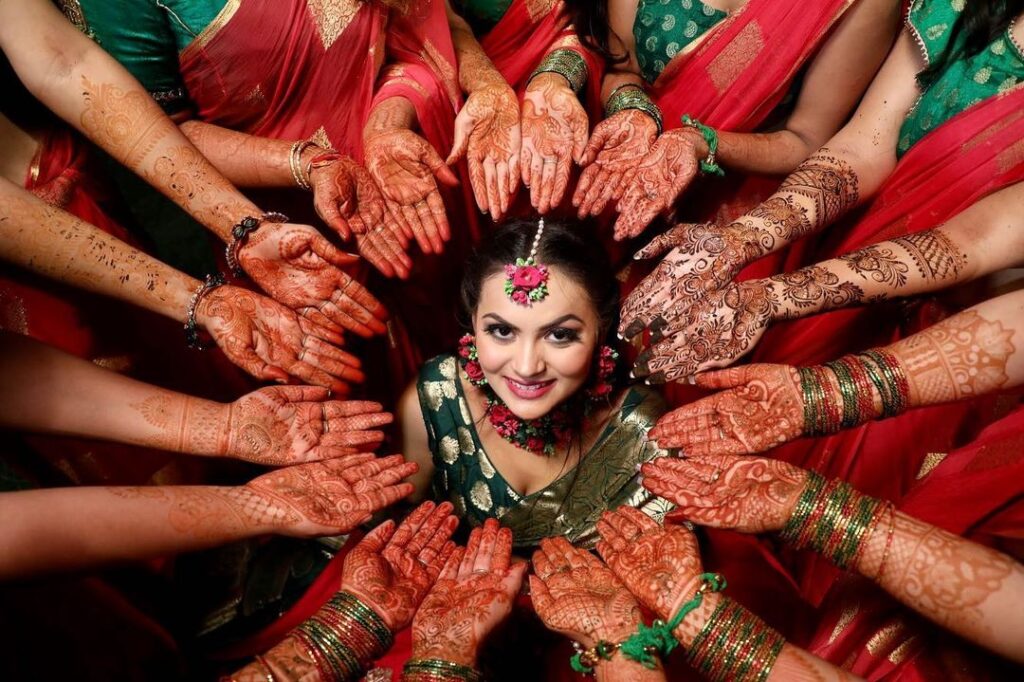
663	28
146	36
965	82
483	15
605	478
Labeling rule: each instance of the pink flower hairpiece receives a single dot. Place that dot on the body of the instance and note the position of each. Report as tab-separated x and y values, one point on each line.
527	280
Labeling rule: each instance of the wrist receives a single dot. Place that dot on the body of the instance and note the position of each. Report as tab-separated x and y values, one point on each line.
693	136
344	637
696	620
734	645
448	652
549	80
568	64
622	668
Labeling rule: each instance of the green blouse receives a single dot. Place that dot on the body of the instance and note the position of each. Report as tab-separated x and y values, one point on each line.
146	36
965	82
662	28
605	478
483	15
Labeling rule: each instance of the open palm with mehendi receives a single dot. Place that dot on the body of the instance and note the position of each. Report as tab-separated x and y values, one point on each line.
617	147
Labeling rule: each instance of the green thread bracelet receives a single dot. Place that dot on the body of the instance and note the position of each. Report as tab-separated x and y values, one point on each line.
709	164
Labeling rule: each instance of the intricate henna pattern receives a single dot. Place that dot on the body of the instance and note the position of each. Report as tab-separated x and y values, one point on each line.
702	259
472	596
879	264
299	268
577	595
392	569
346	198
184	424
964	356
748	494
657	182
616	149
757	408
554	134
828	182
271	342
782	216
935	254
816	288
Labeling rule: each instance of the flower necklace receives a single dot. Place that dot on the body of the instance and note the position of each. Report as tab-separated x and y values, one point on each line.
544	435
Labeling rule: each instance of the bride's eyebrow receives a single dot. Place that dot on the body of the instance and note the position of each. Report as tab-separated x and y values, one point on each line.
562	320
500	320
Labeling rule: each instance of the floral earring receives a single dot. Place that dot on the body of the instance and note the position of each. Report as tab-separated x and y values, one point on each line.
469	361
606	361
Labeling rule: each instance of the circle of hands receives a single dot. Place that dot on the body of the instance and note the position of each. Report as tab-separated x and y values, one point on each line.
455	597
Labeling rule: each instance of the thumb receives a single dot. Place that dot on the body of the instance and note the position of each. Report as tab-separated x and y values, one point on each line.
597	140
459	146
726	378
438	167
332	254
579	144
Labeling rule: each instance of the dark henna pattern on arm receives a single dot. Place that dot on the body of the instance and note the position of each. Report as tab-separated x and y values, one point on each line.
815	288
880	264
828	182
935	254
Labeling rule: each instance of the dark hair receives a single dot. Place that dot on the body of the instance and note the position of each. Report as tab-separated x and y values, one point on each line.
590	19
573	249
981	22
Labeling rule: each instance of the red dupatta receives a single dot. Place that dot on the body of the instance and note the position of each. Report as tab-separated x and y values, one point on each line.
735	77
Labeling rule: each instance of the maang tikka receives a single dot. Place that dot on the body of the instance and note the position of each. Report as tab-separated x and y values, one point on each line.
527	280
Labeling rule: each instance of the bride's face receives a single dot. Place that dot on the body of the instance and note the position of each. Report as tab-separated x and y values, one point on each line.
536	357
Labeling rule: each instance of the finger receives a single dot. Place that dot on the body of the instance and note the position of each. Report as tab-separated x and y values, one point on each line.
579	141
311	374
513	177
609	182
703	408
626	527
526	164
537	180
680	427
579	197
330	253
313	321
392	494
304	394
340	409
571	554
541	566
543	602
547	185
501	557
432	231
727	378
378	538
397	216
359	475
327	209
504	193
411	524
369	249
472	548
478	183
611	536
491	183
513	580
437	166
459	145
345	320
418	231
247	359
595	145
562	171
391	475
485	554
598	199
451	565
331	352
438	541
554	556
440	216
358	301
429	527
638	518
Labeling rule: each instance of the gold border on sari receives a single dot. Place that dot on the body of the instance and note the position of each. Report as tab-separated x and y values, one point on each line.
208	33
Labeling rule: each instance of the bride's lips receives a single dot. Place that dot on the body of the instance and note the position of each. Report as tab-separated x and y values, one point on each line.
529	390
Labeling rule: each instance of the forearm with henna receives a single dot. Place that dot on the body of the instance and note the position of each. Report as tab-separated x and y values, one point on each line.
394	113
57	245
476	70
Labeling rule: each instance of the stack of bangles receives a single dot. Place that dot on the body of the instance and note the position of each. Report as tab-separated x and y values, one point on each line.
438	670
871	385
566	63
709	164
240	235
632	96
835	521
344	637
734	644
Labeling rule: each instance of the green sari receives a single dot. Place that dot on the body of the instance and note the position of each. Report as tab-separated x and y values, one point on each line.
605	478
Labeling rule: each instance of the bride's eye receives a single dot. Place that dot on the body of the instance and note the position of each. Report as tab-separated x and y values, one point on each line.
563	335
502	332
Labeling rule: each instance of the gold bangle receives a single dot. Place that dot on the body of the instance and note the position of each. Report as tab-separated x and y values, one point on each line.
295	163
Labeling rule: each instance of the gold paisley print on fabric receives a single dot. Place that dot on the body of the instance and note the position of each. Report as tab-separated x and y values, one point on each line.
538	9
332	17
449	449
736	57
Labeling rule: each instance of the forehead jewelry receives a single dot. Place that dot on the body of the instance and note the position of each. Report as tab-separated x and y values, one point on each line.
526	280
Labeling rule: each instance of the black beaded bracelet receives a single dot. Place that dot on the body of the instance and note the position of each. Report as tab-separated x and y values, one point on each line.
191	327
240	234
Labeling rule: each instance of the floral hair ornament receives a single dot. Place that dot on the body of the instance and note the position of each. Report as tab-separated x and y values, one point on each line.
527	280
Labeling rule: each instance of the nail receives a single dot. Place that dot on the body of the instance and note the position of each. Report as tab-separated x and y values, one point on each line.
634	328
657	378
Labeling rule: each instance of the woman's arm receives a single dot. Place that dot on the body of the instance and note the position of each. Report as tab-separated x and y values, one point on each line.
47	530
966	588
414	440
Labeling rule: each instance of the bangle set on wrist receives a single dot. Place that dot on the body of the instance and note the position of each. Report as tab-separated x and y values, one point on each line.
344	637
240	234
735	645
295	164
566	63
191	327
860	378
438	670
632	96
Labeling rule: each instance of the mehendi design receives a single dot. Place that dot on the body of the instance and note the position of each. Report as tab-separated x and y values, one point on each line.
782	216
828	182
935	254
879	264
616	149
818	288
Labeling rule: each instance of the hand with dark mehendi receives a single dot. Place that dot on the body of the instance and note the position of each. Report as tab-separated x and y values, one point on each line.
701	260
271	342
758	408
346	198
299	268
282	425
384	247
748	494
474	593
658	181
659	564
554	129
392	570
487	133
616	149
577	595
405	166
330	497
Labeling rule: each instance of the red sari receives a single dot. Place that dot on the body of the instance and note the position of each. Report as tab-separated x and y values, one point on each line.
292	70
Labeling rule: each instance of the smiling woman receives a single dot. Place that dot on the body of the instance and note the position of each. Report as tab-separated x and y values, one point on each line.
527	423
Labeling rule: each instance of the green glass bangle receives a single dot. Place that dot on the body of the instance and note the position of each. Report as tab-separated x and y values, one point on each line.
567	64
632	96
848	391
441	667
350	605
793	529
710	163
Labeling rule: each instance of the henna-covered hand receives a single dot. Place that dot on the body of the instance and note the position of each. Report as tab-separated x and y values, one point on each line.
282	425
577	595
760	407
616	149
298	267
748	494
405	166
473	595
657	182
271	342
392	569
701	260
330	497
554	129
345	197
660	565
712	333
487	133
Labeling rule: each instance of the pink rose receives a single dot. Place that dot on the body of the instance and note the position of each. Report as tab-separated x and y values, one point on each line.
474	371
535	444
500	413
519	296
528	277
